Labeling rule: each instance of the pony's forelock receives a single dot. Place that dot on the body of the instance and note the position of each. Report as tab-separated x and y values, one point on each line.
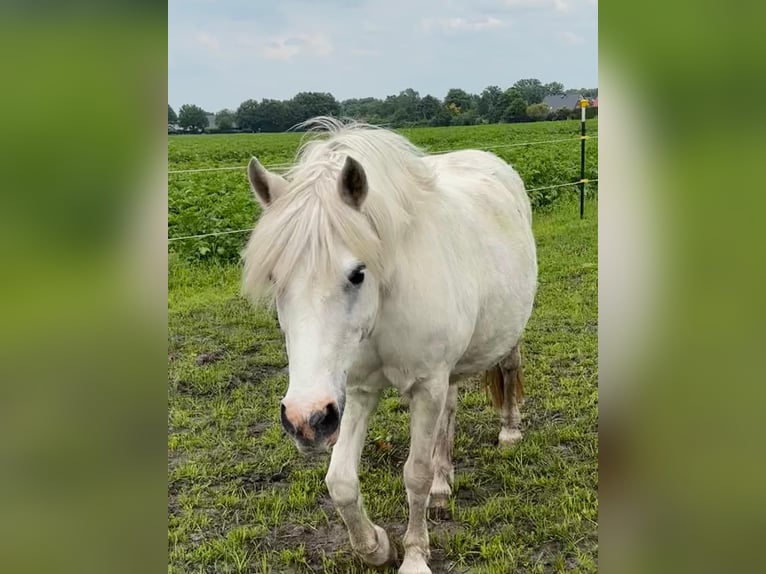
311	222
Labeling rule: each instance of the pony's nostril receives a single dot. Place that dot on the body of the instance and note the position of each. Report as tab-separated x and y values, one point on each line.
286	424
326	423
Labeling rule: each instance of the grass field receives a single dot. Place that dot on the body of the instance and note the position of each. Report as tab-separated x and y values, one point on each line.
240	497
203	202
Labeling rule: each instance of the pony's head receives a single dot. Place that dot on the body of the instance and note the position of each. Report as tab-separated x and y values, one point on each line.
319	256
320	251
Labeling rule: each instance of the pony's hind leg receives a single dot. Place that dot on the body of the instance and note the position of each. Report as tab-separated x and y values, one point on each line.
444	473
512	397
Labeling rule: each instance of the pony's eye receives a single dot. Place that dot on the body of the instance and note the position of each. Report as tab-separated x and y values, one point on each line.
357	276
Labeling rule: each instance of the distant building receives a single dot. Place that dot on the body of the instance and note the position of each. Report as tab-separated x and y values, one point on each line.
563	101
210	120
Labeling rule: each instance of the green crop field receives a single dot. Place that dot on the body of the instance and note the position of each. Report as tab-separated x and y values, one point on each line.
208	201
242	499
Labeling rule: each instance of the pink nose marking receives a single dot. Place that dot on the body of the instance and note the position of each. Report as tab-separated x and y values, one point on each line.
303	419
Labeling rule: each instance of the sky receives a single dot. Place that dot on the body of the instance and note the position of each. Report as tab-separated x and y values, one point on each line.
222	52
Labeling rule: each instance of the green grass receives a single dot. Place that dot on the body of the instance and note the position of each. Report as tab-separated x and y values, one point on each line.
241	499
205	202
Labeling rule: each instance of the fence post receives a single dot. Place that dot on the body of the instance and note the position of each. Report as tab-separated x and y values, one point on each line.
583	105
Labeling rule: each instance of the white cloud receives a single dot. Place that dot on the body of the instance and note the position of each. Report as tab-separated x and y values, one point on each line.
374	49
461	24
287	47
368	26
572	39
279	50
365	52
208	41
561	6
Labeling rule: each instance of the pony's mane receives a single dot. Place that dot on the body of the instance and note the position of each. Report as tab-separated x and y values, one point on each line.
310	218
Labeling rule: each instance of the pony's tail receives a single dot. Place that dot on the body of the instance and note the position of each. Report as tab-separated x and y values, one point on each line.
495	384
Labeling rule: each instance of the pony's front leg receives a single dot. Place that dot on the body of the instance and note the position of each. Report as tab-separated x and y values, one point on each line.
368	540
426	405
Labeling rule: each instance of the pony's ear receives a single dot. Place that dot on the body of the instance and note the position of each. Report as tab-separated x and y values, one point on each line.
267	186
353	183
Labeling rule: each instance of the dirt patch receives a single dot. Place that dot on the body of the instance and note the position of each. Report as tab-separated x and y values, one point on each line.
546	555
258	428
174	509
443	529
188	388
254	374
261	481
254	350
176	486
328	538
205	358
332	538
573	365
257	373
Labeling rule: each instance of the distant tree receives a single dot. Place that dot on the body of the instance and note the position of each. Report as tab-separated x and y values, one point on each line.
532	90
584	92
516	110
408	105
458	100
274	116
538	112
433	112
305	105
361	109
468	118
388	107
247	115
504	102
266	116
172	117
554	89
224	120
406	108
442	118
192	117
428	107
403	109
492	104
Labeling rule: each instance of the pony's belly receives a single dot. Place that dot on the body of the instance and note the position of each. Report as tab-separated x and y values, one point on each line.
497	332
482	357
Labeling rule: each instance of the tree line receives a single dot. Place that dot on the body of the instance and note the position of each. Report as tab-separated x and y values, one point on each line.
520	103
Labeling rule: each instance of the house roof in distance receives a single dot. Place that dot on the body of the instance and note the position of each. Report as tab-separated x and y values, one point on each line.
568	101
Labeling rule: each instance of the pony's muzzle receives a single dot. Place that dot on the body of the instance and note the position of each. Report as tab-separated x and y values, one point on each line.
311	427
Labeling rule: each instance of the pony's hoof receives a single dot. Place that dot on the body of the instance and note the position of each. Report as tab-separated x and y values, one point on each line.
385	554
440	492
438	500
414	565
509	437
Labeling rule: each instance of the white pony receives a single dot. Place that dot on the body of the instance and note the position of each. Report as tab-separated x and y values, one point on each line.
391	267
